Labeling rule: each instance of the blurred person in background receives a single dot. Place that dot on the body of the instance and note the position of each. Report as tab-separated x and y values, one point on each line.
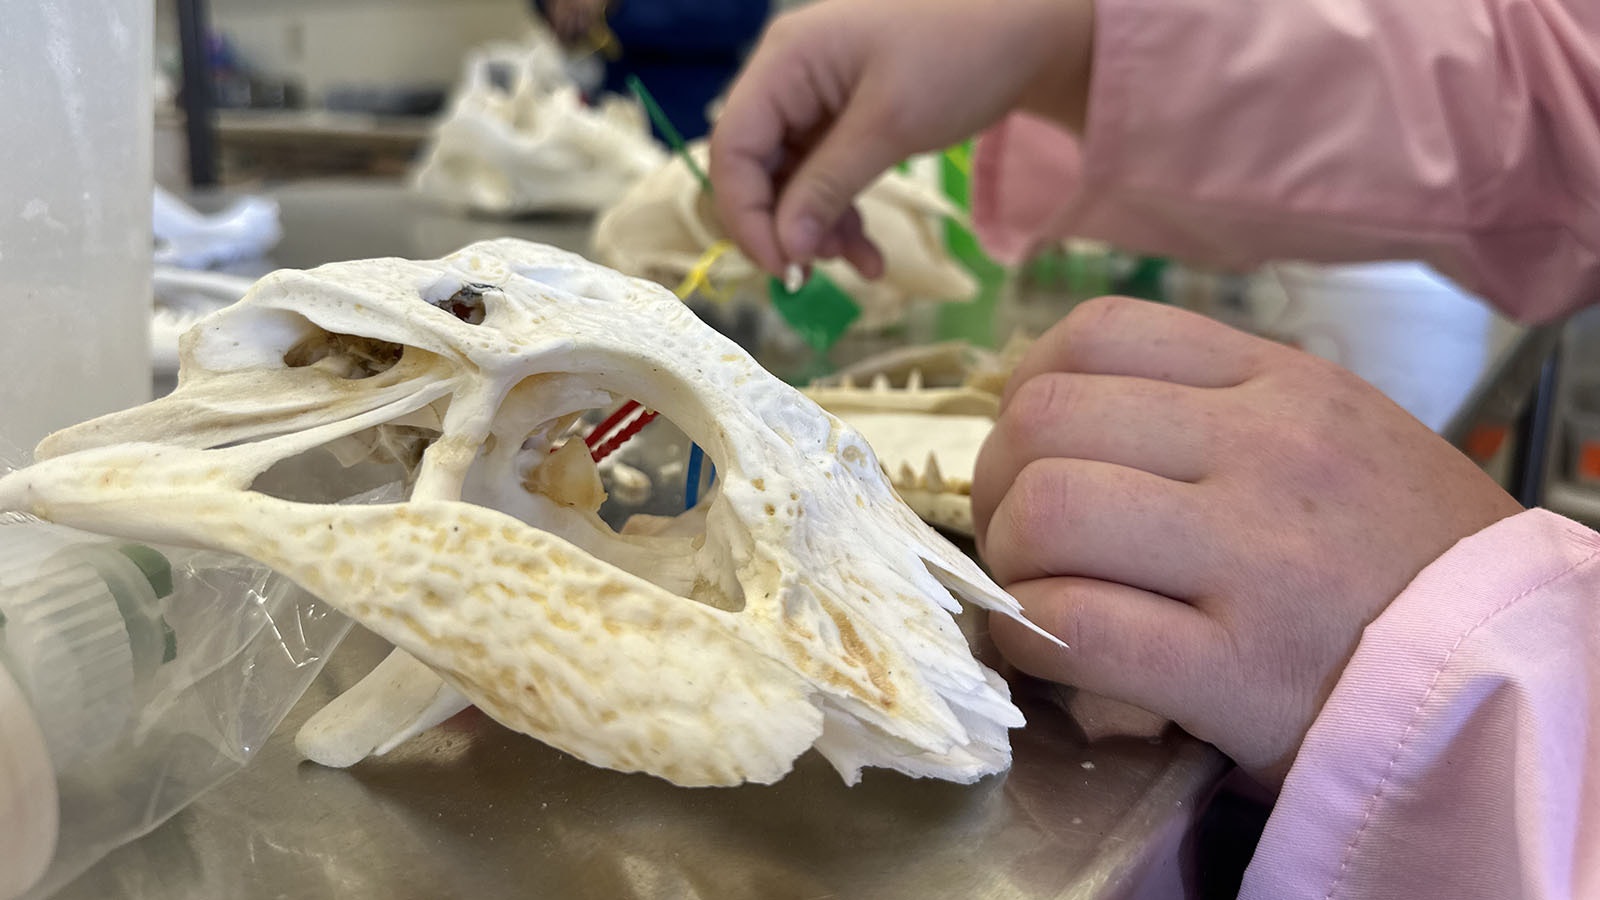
684	51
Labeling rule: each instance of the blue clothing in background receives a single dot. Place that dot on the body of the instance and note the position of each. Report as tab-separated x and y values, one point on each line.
685	51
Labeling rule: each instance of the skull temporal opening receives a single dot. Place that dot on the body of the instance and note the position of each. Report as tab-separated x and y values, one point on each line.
799	604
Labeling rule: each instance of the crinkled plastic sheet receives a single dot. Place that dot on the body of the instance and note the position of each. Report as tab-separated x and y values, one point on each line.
248	643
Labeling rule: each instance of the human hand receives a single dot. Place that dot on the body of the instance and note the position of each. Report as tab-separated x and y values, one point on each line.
1208	519
573	20
839	91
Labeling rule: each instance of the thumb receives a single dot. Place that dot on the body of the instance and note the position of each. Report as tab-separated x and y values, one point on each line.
815	200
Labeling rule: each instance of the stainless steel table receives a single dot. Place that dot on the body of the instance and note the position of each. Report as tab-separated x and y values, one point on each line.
325	221
474	810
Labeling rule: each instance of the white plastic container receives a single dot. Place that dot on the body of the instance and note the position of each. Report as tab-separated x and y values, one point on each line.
1410	332
81	636
132	679
75	188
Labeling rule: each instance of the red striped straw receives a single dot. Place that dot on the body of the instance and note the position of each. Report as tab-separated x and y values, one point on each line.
602	442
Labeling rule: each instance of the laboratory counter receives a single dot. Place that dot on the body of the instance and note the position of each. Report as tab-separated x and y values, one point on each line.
474	810
471	809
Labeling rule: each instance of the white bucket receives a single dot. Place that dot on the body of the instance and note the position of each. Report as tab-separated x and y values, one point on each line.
75	181
1410	332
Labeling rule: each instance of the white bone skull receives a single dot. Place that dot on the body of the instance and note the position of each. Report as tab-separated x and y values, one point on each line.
530	144
799	604
662	227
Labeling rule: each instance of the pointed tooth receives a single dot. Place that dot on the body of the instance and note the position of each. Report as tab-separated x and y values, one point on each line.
914	380
907	476
932	478
847	381
880	382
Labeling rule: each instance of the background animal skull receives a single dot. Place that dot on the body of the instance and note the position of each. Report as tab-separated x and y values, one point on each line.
799	604
519	139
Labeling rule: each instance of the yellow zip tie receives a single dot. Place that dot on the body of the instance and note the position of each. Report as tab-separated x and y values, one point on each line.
699	277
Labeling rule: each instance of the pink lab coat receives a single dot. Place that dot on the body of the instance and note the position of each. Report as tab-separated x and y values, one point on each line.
1459	755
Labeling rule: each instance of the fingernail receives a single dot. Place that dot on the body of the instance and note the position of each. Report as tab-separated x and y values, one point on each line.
794	278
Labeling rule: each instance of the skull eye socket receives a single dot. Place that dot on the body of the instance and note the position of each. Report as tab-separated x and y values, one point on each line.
466	304
344	355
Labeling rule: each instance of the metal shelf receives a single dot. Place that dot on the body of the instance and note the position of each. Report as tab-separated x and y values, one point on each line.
1575	501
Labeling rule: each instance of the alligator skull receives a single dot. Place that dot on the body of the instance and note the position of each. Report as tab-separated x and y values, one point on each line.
800	604
519	139
664	225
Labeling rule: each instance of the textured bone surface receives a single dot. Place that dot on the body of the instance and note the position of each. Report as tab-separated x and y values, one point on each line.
519	139
800	604
664	224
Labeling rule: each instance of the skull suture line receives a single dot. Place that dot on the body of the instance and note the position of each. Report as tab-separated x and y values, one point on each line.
812	610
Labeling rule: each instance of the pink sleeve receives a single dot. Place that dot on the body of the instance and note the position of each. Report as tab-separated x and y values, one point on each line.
1465	133
1458	756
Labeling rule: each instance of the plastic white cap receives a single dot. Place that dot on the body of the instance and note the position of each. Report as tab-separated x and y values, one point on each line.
65	638
79	619
28	805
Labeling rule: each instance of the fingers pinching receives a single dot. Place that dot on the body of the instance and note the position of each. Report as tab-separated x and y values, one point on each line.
769	106
818	198
745	196
1122	336
856	247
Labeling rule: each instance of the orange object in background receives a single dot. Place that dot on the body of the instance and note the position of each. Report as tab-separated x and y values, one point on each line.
1589	461
1485	441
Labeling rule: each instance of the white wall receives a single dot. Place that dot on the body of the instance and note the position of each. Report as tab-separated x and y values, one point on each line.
364	42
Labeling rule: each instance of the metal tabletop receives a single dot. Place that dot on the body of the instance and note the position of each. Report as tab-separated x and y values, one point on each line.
474	810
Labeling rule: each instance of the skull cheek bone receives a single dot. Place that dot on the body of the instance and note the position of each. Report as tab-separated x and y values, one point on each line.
812	610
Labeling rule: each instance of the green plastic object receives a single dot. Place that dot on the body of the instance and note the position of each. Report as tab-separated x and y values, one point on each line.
1148	280
972	321
819	312
664	125
169	643
157	570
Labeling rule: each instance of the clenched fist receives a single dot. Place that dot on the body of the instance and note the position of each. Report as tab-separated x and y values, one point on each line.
1208	519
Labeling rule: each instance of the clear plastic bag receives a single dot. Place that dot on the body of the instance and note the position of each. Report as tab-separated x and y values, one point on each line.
237	646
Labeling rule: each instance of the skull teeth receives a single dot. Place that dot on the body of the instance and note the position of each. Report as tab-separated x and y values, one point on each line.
932	478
